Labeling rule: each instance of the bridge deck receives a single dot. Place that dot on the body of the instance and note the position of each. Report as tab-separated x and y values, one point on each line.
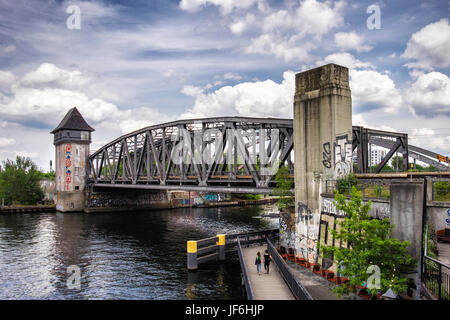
266	286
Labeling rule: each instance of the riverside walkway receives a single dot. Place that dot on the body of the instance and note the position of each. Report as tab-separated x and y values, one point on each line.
266	286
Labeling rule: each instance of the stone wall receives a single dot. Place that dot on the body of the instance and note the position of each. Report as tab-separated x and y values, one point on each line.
124	200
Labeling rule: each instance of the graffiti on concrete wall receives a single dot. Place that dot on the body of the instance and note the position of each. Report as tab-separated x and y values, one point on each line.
342	156
287	229
448	218
125	199
377	210
342	148
307	231
326	155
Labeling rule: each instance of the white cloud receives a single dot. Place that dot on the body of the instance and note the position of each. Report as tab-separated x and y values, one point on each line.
240	26
286	49
255	99
351	41
345	59
43	96
6	142
7	79
430	46
7	49
428	139
226	6
231	76
374	90
290	34
192	91
48	74
429	95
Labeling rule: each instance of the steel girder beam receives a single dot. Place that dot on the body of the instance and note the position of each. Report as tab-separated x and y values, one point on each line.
362	137
415	153
145	157
149	156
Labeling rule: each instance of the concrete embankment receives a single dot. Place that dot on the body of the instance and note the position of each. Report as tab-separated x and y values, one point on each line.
28	209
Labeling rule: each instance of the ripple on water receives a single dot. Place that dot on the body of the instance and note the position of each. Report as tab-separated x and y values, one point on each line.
136	255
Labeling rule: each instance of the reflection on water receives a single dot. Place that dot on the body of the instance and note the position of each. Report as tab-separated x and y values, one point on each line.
133	255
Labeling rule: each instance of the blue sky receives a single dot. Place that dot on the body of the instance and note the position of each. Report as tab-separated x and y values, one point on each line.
137	63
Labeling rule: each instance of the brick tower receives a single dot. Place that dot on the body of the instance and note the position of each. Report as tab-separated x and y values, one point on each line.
72	138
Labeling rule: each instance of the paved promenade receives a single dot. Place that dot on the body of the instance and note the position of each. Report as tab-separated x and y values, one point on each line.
266	286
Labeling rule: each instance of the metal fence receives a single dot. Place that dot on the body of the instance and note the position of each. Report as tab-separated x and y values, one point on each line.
246	278
436	278
369	189
253	237
294	284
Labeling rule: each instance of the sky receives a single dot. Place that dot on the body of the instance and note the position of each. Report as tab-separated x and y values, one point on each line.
130	64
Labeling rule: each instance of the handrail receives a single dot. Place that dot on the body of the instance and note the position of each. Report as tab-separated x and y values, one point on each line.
436	281
291	280
437	261
248	287
433	277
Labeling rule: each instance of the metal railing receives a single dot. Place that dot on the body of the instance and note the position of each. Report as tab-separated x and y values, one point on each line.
294	284
207	250
441	190
369	189
213	248
246	278
436	278
253	237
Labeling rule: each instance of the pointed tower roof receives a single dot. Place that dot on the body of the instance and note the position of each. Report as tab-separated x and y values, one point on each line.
73	121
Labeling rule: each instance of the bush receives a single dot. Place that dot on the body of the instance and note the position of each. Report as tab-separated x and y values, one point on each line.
344	185
370	245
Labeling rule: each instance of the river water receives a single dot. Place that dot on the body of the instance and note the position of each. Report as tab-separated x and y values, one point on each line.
132	255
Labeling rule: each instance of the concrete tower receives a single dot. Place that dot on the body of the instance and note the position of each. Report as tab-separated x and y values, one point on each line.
322	145
72	138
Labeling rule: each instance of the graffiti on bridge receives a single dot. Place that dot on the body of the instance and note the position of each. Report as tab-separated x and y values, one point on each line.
342	156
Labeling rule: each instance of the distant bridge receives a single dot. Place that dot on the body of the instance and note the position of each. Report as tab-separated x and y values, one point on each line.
224	154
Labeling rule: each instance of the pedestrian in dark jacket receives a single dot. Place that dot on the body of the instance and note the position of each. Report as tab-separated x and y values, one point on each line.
267	259
258	263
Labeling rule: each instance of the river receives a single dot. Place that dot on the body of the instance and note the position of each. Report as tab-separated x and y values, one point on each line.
131	255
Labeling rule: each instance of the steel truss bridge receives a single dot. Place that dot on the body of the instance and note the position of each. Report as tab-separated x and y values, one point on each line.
223	154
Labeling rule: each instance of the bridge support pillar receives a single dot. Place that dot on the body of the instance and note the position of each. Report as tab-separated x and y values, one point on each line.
322	145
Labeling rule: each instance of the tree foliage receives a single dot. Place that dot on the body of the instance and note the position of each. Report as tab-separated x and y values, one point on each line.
284	185
370	243
19	181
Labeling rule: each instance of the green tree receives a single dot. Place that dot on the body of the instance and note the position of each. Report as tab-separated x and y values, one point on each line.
370	243
441	191
397	163
284	185
19	181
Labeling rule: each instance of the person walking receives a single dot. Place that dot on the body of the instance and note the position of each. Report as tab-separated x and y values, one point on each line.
267	259
258	263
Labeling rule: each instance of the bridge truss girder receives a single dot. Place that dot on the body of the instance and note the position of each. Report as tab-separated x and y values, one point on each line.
144	159
182	154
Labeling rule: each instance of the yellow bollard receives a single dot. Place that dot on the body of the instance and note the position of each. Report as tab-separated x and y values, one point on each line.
221	246
192	255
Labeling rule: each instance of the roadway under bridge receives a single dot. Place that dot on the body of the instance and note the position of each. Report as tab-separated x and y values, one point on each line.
225	154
